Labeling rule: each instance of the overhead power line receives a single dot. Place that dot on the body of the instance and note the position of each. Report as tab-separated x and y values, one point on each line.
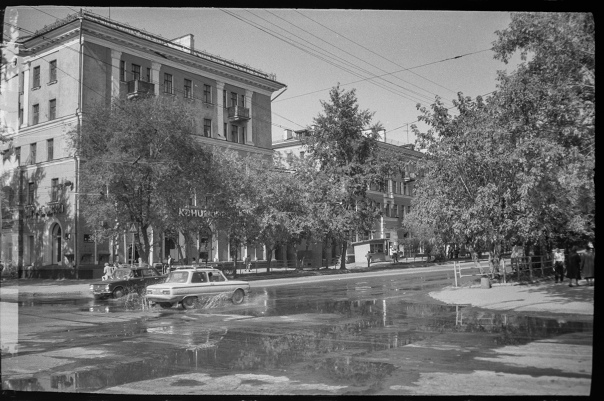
306	49
390	73
377	54
361	60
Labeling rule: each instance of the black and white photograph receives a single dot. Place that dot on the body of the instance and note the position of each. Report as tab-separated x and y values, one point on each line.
257	202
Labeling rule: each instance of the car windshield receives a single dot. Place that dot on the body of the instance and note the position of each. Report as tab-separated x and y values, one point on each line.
177	277
122	274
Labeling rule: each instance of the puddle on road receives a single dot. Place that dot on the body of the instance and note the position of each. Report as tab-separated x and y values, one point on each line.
178	341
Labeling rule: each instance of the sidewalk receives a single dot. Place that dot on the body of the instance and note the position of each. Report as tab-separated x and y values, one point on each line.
81	287
546	296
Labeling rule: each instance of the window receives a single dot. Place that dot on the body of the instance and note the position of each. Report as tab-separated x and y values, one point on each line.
376	248
242	97
395	210
31	188
224	103
35	114
226	130
52	109
405	189
167	83
207	93
233	99
136	72
36	77
20	115
242	135
188	89
53	71
122	70
207	127
54	190
50	146
198	277
148	74
408	209
234	132
32	153
18	155
387	210
21	82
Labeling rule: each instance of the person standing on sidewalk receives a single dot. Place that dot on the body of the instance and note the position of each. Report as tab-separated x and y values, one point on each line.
587	264
368	256
248	263
574	264
558	264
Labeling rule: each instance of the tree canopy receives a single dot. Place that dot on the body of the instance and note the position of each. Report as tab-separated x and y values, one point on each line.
517	167
339	165
140	161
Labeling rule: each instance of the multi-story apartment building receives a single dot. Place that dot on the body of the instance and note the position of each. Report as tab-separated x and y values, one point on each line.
393	197
85	59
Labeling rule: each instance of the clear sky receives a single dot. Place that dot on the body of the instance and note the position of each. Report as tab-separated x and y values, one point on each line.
351	47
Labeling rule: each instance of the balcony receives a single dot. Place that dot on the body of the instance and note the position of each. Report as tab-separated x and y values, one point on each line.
238	113
137	88
409	177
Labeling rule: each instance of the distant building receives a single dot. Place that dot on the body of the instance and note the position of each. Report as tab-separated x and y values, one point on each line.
63	69
393	197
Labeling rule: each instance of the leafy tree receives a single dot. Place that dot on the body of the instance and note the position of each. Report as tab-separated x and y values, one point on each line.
341	156
140	161
518	166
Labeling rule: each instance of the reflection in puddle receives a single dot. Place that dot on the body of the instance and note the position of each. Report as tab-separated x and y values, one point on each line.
368	318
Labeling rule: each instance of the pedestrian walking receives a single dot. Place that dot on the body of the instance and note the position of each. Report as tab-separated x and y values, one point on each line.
587	264
394	255
558	264
573	267
368	256
169	264
107	272
248	263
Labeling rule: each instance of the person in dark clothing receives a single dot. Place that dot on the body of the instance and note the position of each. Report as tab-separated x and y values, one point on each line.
573	268
587	264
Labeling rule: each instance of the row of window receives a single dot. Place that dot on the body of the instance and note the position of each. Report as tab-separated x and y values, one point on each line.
33	148
54	191
393	210
236	135
391	186
135	74
35	112
36	76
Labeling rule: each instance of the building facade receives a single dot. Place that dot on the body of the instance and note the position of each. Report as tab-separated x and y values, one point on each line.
393	197
85	60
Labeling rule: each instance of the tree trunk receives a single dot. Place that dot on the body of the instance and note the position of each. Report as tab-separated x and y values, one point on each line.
269	258
343	256
144	246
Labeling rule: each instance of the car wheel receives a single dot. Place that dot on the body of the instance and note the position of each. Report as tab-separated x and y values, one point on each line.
165	305
189	302
238	296
119	292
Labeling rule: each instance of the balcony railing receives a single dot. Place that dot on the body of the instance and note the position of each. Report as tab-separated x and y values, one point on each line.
138	87
410	177
237	113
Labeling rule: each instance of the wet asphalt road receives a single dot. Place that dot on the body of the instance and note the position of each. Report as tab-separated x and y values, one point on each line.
355	336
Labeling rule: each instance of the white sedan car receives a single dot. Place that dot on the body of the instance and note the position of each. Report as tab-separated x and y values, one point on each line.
185	286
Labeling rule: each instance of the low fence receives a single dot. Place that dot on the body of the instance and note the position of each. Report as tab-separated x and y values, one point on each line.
522	268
